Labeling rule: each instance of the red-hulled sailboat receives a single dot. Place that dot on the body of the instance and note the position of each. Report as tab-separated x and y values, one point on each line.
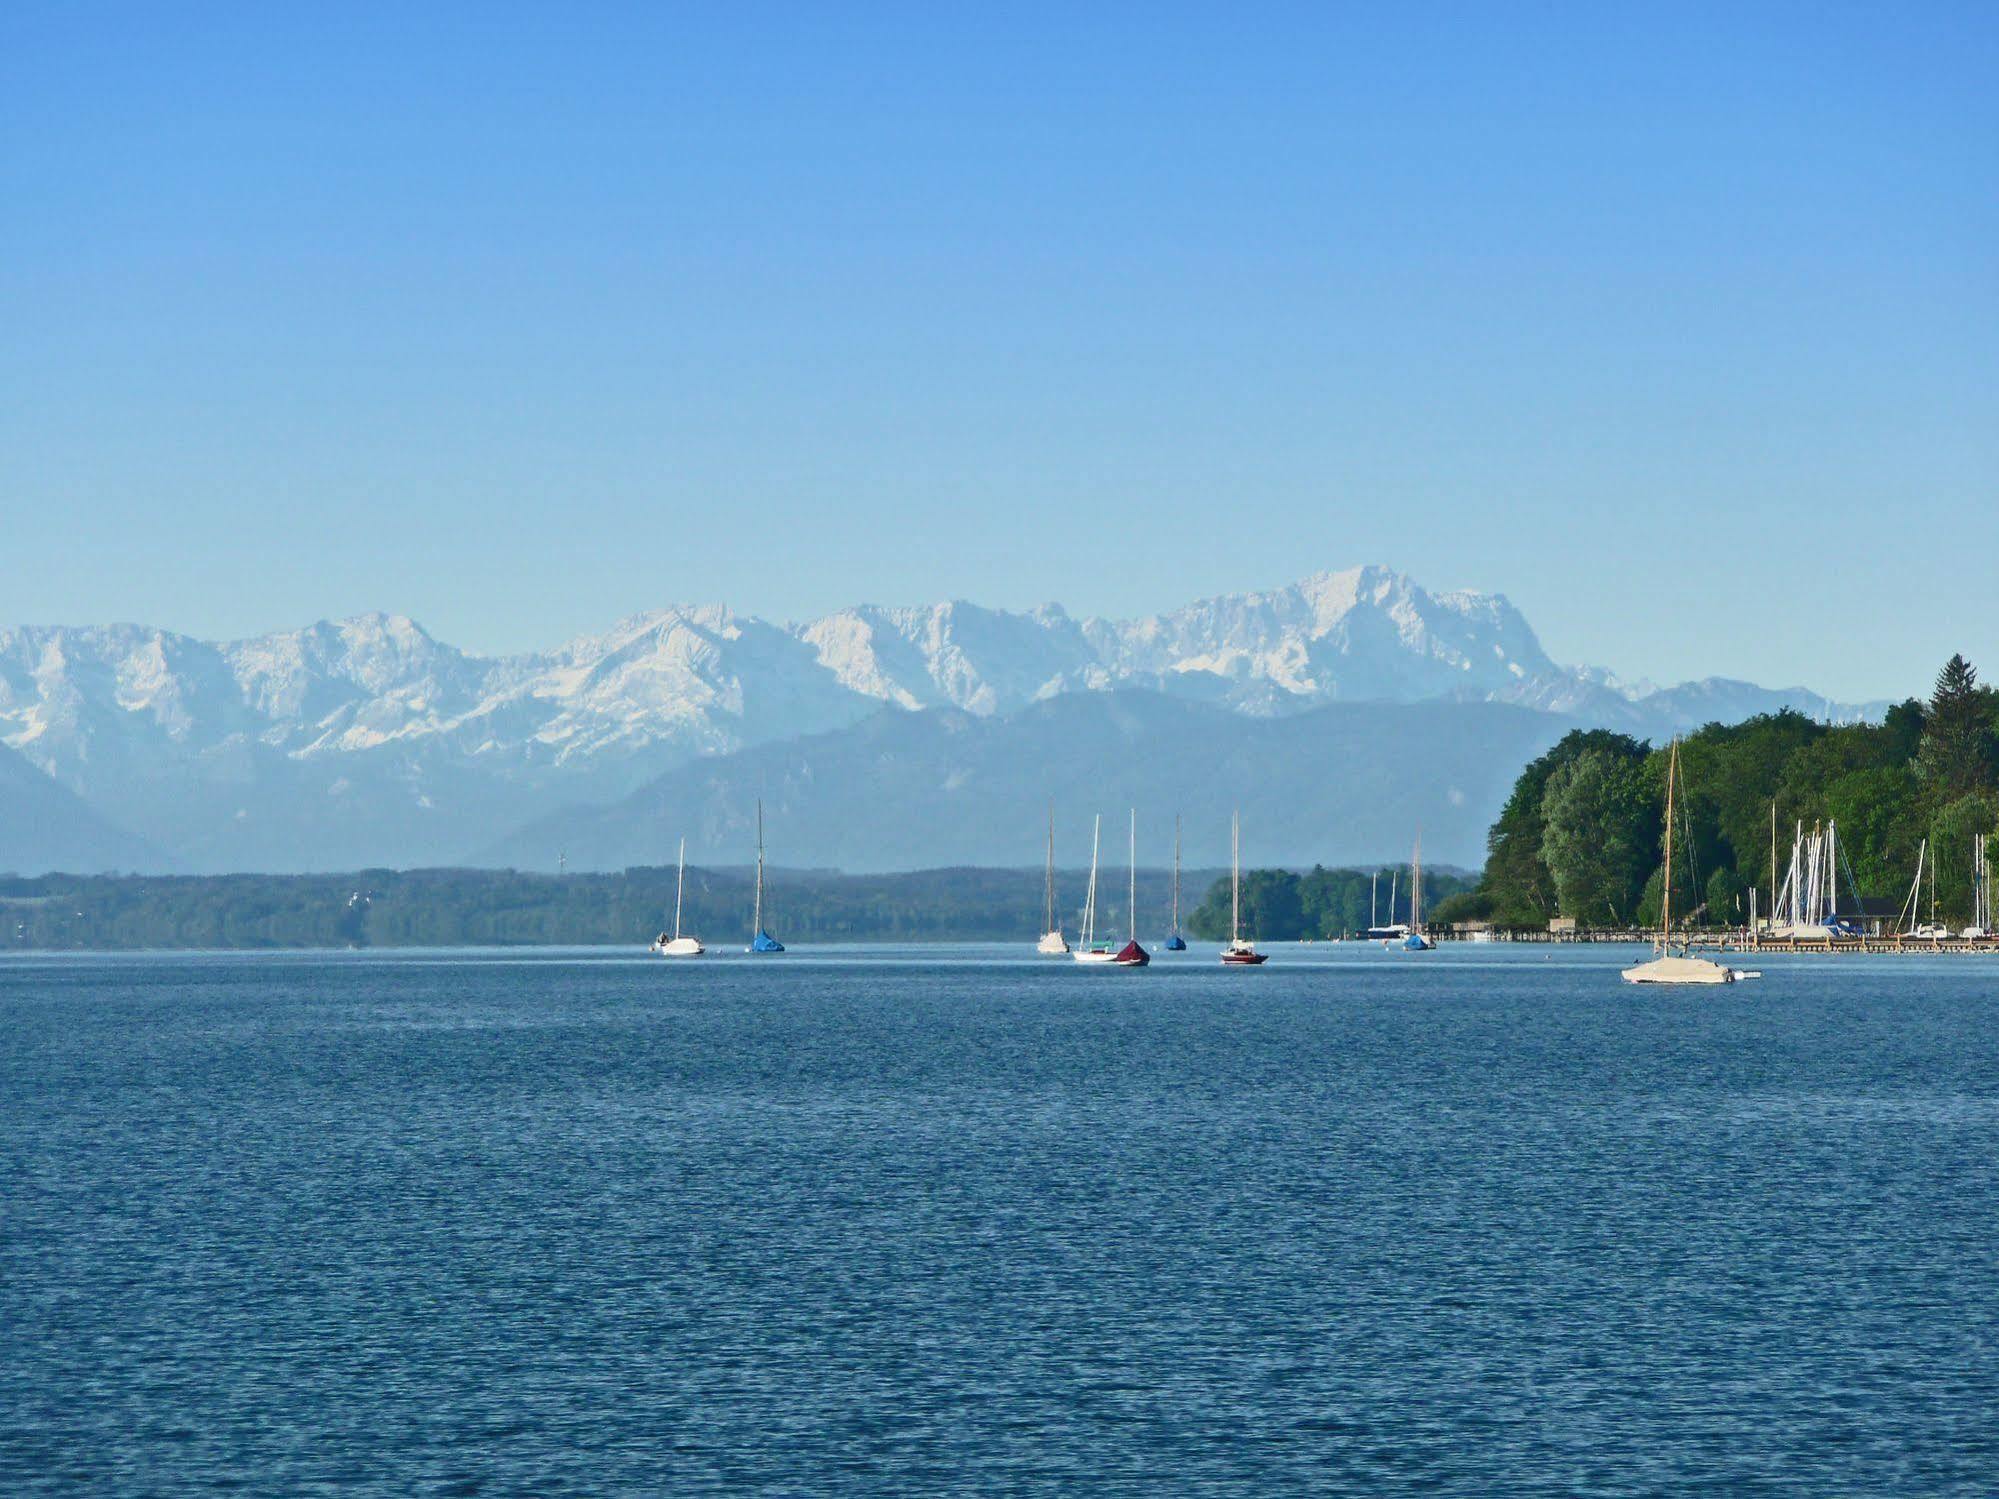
1131	955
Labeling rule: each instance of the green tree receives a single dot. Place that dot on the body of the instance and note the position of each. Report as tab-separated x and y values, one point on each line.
1602	831
1951	833
1957	753
1518	885
1879	812
1727	899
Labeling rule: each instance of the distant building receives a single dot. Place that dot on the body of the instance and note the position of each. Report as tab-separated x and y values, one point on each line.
1875	917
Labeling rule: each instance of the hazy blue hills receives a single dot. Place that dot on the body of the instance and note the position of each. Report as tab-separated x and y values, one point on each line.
46	826
1344	783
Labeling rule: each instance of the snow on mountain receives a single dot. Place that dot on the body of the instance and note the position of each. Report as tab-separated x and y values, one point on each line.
1366	634
370	737
953	655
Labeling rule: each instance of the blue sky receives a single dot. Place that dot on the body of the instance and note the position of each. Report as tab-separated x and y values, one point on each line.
1677	324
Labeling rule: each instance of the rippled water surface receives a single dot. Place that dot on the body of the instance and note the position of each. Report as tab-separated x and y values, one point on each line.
1481	1221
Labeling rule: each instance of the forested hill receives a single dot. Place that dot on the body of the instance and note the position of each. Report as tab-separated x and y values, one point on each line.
1581	834
478	907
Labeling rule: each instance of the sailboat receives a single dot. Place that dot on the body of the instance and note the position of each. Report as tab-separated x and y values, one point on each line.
1131	955
1176	943
1052	944
763	941
1666	968
1910	922
677	946
1981	891
1414	940
1238	954
1088	949
1391	932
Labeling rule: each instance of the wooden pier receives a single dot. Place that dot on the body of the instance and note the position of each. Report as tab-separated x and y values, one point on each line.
1745	942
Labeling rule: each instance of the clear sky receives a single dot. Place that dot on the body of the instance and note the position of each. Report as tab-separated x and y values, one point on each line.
1677	324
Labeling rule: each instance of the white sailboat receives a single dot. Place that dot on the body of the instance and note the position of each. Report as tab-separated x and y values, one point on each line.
1088	949
677	946
1391	932
1052	944
1910	922
1683	968
1981	891
1238	954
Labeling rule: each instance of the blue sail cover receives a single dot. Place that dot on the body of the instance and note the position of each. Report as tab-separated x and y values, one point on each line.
1417	942
765	942
1173	944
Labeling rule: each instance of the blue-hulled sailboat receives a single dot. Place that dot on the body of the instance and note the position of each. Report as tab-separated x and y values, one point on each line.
1414	940
763	941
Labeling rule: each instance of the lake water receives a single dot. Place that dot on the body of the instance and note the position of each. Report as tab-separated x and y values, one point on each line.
1481	1221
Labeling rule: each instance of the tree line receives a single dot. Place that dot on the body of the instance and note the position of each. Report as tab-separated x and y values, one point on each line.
481	907
1582	832
1281	906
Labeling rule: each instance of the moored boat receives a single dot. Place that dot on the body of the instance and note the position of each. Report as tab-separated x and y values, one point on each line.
763	941
1175	942
1413	939
1131	955
1052	944
1683	967
676	945
1238	953
1088	949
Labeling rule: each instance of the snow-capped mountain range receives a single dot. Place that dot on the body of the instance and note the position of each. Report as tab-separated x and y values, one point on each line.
368	741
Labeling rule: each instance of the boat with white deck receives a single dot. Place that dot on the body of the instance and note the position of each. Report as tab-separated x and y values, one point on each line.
677	946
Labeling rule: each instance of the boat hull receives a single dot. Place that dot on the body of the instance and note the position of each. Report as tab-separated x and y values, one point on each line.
1244	959
679	947
1052	945
1680	971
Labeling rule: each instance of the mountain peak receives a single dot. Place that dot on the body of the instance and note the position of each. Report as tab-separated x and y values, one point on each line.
300	730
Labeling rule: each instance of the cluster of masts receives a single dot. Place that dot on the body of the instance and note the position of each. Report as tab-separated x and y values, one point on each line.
1806	907
1238	952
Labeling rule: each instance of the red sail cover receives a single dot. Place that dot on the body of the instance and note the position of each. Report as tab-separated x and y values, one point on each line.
1132	955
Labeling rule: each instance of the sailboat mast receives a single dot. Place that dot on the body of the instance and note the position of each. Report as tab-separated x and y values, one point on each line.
1666	883
1773	856
1416	884
1131	897
1176	873
1090	901
758	921
1235	876
1050	900
679	884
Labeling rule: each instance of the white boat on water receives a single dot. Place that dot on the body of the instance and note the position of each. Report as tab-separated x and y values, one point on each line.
1088	949
1682	967
1238	954
677	946
1131	955
1052	944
